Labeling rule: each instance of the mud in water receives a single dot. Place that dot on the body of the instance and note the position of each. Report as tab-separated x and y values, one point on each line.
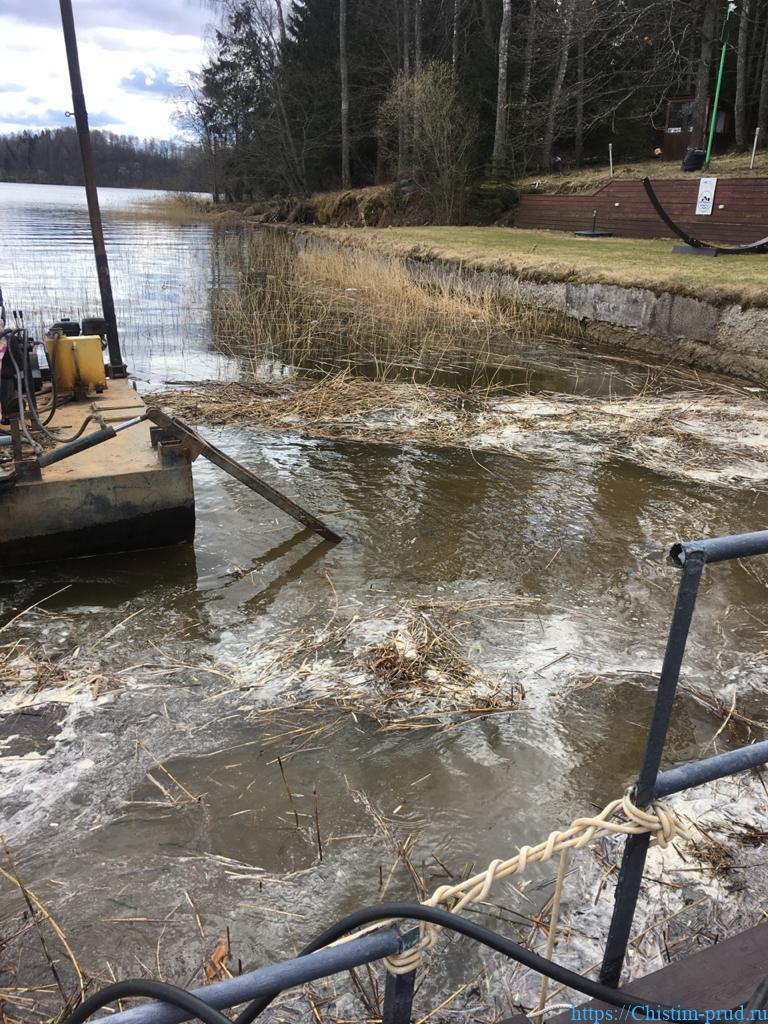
147	698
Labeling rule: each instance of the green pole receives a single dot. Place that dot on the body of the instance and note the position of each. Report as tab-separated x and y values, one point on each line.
723	54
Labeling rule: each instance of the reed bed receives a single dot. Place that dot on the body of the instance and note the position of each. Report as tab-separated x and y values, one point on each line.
306	303
170	208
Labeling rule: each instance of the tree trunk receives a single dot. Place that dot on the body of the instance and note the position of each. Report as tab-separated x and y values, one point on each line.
527	65
701	102
488	23
417	35
762	113
579	128
280	22
557	87
455	37
404	121
346	177
502	91
742	78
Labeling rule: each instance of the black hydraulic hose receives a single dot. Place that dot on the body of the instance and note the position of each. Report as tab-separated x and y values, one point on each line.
19	397
54	399
24	376
486	937
82	444
152	990
30	390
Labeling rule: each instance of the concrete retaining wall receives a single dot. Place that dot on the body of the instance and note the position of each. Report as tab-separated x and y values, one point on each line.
676	328
668	327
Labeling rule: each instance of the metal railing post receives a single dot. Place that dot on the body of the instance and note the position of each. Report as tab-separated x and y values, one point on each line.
633	861
398	998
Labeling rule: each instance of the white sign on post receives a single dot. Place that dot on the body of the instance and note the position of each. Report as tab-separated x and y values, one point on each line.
706	200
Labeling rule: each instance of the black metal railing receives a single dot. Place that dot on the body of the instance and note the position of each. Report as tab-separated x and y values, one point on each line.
651	784
691	557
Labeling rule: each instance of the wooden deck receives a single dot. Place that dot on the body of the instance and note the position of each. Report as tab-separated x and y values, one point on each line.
623	208
719	977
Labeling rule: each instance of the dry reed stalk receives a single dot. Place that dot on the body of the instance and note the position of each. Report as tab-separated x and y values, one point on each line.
35	907
161	767
302	303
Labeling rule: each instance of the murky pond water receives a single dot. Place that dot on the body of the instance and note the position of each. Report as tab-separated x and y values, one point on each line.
176	642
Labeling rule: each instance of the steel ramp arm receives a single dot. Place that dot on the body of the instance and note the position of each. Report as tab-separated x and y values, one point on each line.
197	445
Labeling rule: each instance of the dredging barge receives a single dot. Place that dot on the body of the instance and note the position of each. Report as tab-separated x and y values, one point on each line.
85	497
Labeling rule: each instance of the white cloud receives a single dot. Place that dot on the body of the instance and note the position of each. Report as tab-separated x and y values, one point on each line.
117	42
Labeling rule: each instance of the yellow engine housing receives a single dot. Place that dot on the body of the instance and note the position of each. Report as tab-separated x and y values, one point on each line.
77	362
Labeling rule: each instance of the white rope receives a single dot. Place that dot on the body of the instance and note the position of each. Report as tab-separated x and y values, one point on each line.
658	819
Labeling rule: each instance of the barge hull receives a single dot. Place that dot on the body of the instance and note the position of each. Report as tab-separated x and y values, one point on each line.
122	495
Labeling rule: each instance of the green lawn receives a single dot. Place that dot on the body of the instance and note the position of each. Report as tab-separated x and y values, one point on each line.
552	256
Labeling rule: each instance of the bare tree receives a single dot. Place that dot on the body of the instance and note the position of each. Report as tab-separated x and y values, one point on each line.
445	133
502	90
557	87
405	123
346	177
701	102
742	76
581	30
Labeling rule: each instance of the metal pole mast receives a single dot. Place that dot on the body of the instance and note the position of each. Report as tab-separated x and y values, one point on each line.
116	365
723	54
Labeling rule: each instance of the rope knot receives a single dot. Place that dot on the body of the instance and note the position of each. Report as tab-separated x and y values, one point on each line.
658	819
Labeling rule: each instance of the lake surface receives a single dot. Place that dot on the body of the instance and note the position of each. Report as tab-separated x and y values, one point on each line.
183	632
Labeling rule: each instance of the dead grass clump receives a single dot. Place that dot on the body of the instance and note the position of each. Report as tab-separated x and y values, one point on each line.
172	207
339	407
29	678
418	676
25	671
421	671
423	653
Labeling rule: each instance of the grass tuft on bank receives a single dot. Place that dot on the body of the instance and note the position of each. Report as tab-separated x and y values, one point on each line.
554	256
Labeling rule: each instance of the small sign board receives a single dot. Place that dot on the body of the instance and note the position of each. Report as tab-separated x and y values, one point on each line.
706	201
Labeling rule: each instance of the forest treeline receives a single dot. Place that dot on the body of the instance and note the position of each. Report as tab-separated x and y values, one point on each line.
320	94
52	157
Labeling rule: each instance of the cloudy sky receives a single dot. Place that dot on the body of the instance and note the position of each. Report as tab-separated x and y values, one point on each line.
133	53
